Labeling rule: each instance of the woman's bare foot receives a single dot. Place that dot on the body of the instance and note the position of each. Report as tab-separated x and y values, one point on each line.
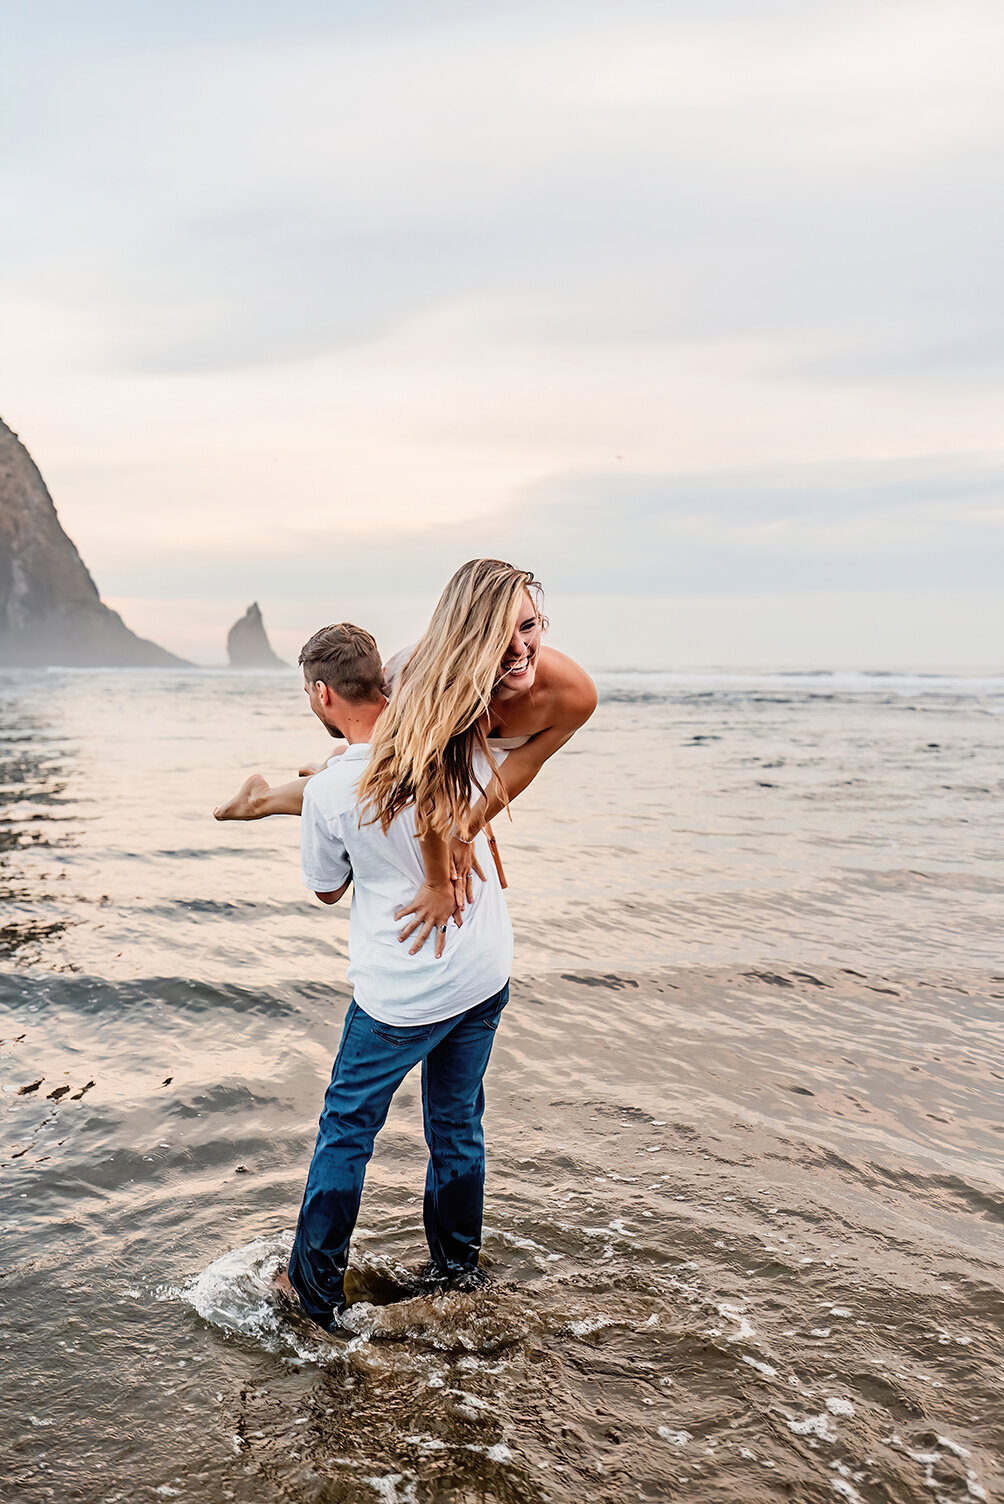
246	803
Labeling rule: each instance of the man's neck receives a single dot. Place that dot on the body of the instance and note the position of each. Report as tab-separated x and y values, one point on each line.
358	727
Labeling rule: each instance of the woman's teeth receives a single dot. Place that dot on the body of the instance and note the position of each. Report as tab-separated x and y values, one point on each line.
519	667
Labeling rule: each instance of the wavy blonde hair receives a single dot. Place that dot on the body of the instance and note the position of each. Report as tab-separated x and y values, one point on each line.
424	744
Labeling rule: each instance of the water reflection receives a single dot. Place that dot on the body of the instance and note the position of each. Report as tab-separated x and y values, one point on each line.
34	769
743	1212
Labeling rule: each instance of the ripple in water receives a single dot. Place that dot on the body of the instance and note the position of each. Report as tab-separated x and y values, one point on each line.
745	1183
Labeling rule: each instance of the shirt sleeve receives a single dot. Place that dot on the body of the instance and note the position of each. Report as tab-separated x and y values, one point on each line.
323	856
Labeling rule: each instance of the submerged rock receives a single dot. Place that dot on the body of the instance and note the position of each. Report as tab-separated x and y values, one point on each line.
50	609
248	644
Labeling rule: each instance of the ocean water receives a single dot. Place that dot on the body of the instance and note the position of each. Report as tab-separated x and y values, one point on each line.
745	1121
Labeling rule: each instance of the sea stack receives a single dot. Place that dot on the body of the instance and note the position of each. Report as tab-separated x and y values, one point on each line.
248	644
50	611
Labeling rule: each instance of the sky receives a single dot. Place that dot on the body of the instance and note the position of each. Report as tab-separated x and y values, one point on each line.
691	307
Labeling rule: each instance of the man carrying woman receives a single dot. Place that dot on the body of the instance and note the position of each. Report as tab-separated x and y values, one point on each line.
474	711
440	1012
480	674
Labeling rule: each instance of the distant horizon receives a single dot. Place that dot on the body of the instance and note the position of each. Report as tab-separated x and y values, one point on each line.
967	674
755	634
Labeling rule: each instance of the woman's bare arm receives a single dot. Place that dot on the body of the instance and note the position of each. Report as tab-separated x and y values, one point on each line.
518	771
522	764
448	868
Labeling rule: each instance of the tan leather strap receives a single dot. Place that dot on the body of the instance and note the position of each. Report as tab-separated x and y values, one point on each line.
493	848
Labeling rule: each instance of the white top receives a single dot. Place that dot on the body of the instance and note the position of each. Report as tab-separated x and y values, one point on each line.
506	743
386	870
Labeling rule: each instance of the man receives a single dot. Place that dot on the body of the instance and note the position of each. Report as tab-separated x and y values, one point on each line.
407	1009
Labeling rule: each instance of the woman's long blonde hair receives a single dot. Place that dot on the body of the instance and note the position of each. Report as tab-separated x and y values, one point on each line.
424	743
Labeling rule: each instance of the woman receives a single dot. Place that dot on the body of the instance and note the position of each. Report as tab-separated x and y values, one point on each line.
480	678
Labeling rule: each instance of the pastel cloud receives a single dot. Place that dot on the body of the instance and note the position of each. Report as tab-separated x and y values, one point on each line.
361	288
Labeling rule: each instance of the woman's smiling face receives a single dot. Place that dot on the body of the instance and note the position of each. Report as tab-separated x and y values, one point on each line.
518	668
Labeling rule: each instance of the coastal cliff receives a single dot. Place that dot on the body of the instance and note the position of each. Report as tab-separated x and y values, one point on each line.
247	642
50	609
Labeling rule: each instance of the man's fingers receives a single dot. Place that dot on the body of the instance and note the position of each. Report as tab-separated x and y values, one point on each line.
476	866
440	941
400	913
409	929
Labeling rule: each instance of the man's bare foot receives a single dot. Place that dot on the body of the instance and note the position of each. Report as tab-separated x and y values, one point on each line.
286	1291
282	1283
246	803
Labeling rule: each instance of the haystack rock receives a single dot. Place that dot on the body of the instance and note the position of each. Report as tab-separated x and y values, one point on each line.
50	610
248	644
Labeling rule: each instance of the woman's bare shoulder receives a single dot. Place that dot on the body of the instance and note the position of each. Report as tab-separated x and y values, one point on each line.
574	693
394	664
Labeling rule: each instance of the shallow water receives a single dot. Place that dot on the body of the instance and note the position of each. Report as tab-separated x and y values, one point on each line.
745	1111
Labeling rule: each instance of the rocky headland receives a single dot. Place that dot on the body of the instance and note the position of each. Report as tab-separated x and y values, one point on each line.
50	609
247	642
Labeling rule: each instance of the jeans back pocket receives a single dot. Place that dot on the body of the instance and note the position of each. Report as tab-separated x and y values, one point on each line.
401	1035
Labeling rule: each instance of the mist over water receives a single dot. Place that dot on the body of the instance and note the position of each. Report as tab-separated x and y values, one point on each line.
744	1121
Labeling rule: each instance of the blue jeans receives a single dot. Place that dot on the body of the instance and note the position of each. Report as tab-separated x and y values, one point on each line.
373	1059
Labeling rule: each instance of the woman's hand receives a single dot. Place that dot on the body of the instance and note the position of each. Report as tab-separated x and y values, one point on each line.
433	907
463	863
